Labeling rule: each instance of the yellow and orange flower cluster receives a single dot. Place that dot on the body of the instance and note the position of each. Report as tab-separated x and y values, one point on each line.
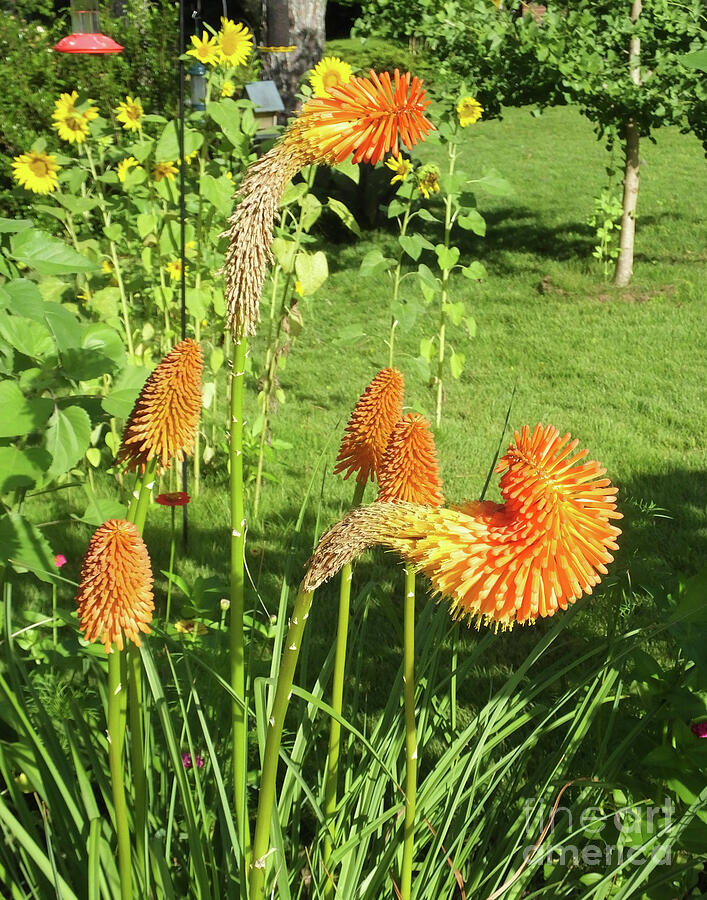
165	417
362	119
115	586
370	426
541	549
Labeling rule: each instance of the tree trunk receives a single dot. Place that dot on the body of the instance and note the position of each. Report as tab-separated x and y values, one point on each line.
624	262
306	33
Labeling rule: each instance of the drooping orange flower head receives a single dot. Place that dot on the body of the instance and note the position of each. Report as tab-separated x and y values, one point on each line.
115	586
363	119
370	426
165	417
409	470
537	552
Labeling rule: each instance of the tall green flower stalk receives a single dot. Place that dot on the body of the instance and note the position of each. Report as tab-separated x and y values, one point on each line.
268	778
237	644
410	734
116	738
331	777
141	496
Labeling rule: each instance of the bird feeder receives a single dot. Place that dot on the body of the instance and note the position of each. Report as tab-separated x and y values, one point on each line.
86	34
197	85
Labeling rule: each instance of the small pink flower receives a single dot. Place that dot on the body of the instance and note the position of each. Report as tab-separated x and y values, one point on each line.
188	763
59	560
699	729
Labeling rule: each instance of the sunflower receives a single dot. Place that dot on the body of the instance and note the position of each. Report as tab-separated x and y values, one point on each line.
402	168
227	88
235	43
72	128
164	170
206	49
428	181
125	165
130	114
516	561
469	111
65	105
36	171
329	73
174	269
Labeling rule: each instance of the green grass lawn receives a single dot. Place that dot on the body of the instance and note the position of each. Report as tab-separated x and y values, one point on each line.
620	370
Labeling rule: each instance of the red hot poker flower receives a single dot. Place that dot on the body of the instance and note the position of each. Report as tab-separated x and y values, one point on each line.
115	586
370	426
409	470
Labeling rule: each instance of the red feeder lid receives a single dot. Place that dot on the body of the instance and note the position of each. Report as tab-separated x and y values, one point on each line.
87	43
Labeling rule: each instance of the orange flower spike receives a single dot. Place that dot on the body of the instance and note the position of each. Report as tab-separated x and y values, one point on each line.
165	417
409	470
537	552
363	117
370	426
115	586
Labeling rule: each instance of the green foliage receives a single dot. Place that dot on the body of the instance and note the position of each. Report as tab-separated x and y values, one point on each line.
576	53
605	220
34	75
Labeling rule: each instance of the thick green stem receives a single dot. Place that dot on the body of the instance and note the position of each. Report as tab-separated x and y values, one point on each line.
410	734
116	733
137	752
137	514
238	528
331	777
54	629
266	799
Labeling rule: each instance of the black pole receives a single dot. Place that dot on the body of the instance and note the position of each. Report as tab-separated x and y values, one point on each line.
182	227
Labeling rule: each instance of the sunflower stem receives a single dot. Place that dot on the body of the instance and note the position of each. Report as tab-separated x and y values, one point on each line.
116	734
268	777
238	528
448	212
410	734
397	278
331	776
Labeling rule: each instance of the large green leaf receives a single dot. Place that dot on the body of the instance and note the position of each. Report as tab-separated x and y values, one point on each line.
19	415
128	385
27	299
67	438
312	270
22	468
344	213
447	257
48	255
227	115
219	192
25	547
12	226
29	337
100	509
167	149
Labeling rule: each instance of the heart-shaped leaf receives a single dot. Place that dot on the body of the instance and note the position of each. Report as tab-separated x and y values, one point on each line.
447	257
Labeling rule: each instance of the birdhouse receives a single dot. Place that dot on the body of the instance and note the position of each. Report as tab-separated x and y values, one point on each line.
268	103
